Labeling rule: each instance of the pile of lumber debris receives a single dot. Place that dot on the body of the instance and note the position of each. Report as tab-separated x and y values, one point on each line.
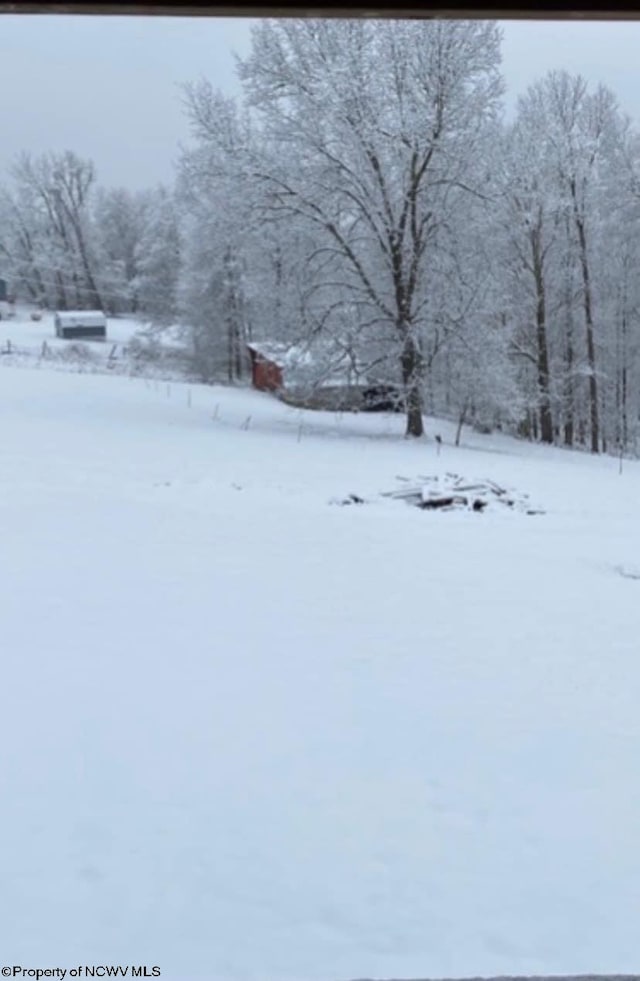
451	491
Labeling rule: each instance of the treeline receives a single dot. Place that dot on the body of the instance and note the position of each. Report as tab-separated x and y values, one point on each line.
66	243
366	199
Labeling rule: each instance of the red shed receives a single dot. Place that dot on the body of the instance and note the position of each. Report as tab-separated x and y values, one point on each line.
266	367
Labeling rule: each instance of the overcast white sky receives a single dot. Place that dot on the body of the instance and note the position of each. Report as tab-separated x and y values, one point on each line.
109	87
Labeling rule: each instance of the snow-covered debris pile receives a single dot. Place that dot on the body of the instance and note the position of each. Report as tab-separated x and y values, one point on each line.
349	499
450	490
628	572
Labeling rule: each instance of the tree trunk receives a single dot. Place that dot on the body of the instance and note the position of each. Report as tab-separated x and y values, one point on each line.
544	383
233	302
94	293
412	369
239	361
524	426
568	387
623	409
230	349
588	317
569	426
582	432
461	421
625	412
61	292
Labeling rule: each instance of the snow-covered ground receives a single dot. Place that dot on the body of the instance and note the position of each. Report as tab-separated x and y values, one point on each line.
27	334
28	343
251	735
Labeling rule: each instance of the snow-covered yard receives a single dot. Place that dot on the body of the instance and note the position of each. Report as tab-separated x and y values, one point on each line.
250	735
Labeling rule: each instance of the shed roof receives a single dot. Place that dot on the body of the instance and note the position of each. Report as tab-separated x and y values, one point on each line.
81	318
274	351
314	360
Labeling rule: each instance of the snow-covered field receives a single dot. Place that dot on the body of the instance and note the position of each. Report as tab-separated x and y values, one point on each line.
27	343
251	735
28	335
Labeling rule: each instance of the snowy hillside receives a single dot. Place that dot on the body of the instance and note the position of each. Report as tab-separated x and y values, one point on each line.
251	735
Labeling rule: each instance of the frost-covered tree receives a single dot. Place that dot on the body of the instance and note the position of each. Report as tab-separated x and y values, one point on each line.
120	219
560	168
52	235
620	296
472	373
22	236
244	275
212	297
527	220
363	132
156	258
212	303
582	133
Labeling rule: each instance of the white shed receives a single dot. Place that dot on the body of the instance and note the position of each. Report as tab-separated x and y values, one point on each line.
81	323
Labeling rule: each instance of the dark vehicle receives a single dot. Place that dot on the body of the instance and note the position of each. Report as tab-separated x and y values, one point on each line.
383	398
